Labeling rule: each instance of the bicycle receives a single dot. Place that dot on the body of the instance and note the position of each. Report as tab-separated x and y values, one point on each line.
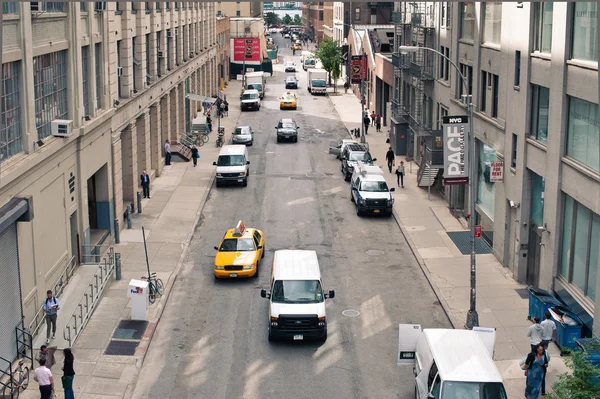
155	287
201	139
15	385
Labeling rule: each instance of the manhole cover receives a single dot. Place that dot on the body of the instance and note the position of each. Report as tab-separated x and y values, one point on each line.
121	348
130	329
350	313
374	252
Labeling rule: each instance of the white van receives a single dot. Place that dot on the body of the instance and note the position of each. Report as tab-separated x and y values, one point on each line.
369	190
296	296
451	363
233	165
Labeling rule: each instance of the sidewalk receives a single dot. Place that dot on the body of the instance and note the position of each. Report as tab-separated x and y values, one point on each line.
169	218
425	223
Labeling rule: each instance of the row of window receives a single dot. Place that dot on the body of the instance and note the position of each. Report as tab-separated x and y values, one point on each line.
11	7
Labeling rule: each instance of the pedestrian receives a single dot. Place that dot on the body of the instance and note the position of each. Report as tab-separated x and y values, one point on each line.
400	174
209	126
167	152
43	376
195	155
373	118
378	122
51	307
366	122
535	333
68	374
145	181
226	108
548	330
536	365
47	353
390	158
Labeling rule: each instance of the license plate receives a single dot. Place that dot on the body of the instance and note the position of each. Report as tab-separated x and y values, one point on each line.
376	210
298	337
232	274
240	180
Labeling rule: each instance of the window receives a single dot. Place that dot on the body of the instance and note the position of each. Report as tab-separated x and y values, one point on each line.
483	94
486	190
136	64
492	22
51	6
82	6
579	254
9	7
118	67
442	111
583	133
517	68
50	87
444	69
99	65
157	7
513	157
237	13
320	15
467	72
585	32
148	77
118	8
10	111
158	59
543	26
540	104
357	14
169	45
134	8
467	20
85	56
538	187
167	5
444	12
495	89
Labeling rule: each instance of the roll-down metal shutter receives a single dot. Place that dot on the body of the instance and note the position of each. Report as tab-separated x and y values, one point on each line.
11	311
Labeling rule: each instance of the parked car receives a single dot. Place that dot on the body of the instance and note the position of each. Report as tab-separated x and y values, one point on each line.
287	129
351	155
243	135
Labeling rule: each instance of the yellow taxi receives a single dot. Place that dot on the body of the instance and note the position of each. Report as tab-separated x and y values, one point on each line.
296	46
288	100
240	252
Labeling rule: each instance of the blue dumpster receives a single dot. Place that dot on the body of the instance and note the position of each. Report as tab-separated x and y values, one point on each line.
567	331
539	302
591	348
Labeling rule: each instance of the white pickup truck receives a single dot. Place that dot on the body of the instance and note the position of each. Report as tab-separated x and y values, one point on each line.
317	81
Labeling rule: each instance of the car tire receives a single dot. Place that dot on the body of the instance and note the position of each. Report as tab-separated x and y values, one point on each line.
245	182
278	140
351	197
323	338
271	337
251	143
358	212
217	183
296	139
347	177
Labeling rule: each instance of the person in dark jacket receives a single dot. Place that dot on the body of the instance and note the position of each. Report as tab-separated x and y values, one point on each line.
195	155
366	123
390	157
145	180
68	374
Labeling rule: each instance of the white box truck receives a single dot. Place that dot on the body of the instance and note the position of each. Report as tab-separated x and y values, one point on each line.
256	81
317	81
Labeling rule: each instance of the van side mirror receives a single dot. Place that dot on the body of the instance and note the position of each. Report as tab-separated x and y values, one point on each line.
247	162
392	189
265	294
215	163
331	294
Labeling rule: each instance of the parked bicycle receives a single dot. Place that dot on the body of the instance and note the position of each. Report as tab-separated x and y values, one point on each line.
19	381
155	287
201	139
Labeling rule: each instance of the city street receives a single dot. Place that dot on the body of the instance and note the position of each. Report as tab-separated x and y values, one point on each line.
212	339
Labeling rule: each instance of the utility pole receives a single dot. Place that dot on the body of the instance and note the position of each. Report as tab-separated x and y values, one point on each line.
363	138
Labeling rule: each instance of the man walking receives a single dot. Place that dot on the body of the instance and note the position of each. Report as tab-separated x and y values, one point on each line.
195	155
373	117
548	330
51	307
167	152
366	122
535	333
400	174
145	184
390	157
48	355
378	122
43	376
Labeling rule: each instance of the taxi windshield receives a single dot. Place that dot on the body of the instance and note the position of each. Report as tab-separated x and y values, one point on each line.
360	156
288	97
297	291
237	245
374	186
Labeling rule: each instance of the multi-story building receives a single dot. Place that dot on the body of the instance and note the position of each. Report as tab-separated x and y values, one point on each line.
239	8
223	36
346	14
314	16
532	72
90	92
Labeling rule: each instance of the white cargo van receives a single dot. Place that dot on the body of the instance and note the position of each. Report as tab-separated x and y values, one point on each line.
450	363
233	165
296	296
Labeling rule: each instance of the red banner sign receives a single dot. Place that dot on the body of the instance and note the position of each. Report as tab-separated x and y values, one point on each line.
357	69
246	49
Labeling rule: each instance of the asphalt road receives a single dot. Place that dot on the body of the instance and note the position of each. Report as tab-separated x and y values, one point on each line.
212	339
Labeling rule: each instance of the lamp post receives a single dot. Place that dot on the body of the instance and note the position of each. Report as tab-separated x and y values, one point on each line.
472	317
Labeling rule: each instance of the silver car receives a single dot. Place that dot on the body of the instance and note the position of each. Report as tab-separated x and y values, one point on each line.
243	135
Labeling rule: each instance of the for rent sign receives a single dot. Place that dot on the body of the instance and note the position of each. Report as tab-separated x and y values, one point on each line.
456	149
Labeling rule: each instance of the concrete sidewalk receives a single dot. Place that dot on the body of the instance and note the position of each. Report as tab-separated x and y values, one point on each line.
169	218
425	224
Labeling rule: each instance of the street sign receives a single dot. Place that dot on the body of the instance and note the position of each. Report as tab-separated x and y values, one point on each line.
356	70
478	231
497	172
456	149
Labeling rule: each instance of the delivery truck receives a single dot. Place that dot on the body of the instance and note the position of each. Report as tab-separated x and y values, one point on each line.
255	81
317	81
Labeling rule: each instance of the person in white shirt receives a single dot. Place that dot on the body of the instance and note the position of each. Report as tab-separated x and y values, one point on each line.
548	330
535	333
44	378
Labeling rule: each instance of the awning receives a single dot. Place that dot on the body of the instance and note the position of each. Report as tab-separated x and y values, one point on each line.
12	211
197	97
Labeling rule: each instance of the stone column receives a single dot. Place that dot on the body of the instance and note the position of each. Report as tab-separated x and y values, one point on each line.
181	109
155	138
165	123
174	131
186	41
129	162
117	171
127	65
143	143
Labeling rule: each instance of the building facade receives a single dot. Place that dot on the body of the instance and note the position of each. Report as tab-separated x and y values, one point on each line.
346	14
91	91
532	72
239	8
223	36
317	18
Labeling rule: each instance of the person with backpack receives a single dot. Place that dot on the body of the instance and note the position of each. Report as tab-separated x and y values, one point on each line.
535	367
51	307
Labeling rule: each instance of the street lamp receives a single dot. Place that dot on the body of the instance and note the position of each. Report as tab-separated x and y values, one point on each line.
472	317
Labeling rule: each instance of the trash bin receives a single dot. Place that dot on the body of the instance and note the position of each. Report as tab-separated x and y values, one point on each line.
568	327
539	302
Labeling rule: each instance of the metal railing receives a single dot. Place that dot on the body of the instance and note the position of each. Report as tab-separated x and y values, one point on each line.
57	290
24	342
92	254
90	298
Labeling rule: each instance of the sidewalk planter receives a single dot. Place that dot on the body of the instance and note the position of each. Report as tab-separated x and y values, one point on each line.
539	302
566	335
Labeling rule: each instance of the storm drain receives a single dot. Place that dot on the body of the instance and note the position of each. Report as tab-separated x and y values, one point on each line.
462	240
126	338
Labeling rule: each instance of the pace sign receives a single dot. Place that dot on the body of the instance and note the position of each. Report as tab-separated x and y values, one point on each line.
456	149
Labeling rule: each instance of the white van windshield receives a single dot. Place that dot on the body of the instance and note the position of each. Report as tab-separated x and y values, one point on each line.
250	96
473	390
297	291
231	160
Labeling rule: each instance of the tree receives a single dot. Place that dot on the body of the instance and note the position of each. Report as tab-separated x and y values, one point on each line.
582	382
287	20
330	54
271	18
297	20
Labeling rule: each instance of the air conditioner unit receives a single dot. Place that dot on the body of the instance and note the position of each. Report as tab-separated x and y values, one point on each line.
35	5
160	54
119	71
99	6
169	33
62	128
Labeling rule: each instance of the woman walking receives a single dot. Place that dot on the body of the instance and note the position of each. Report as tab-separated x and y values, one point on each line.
535	371
69	374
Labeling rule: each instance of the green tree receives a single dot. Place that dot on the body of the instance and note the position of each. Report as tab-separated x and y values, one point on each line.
582	382
297	20
330	54
287	20
335	73
271	18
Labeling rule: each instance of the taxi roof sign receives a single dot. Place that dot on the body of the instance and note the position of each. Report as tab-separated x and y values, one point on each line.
240	228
